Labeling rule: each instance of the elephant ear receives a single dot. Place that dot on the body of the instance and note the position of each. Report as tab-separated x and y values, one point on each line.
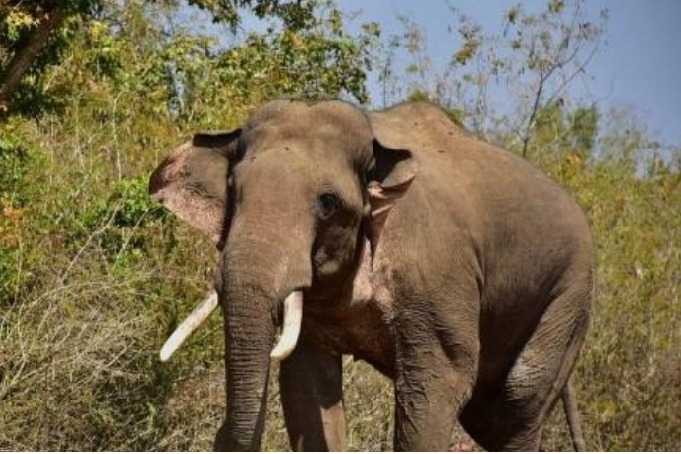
192	181
393	171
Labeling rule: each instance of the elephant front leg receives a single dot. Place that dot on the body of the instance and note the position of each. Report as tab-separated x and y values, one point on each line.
434	381
311	384
427	402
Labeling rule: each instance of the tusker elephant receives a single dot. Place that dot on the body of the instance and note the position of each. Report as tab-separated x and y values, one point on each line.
454	267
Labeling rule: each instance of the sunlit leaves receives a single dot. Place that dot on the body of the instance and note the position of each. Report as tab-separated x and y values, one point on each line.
17	20
294	15
33	36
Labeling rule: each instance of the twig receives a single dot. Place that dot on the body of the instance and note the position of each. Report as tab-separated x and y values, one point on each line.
97	232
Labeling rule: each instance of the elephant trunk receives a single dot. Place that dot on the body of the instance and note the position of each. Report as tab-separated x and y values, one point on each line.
257	276
249	334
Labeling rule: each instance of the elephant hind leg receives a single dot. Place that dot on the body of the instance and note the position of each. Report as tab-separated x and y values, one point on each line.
497	425
511	416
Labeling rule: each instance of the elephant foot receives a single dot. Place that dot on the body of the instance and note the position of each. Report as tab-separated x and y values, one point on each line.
224	442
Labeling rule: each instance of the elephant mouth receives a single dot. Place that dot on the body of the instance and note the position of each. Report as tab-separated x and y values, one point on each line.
293	317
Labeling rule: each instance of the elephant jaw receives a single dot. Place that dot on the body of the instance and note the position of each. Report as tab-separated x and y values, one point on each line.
293	315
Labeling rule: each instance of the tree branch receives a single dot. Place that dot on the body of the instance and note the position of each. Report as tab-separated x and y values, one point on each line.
23	59
535	109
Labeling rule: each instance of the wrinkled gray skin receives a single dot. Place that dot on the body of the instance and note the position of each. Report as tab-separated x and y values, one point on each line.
455	268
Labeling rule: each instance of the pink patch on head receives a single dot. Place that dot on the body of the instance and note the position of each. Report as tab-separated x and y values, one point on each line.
169	186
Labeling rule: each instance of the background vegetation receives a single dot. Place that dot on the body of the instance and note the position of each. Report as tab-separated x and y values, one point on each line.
93	276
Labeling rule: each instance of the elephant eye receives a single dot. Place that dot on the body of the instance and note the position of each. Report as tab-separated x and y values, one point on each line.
328	203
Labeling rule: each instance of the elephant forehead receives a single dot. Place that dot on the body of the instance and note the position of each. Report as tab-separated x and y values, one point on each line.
337	111
292	173
286	171
289	165
331	126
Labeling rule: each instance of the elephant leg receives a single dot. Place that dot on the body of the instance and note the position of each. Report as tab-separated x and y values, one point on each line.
311	385
436	367
511	417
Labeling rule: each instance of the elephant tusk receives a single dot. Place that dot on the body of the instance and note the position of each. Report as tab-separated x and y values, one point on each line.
293	315
189	325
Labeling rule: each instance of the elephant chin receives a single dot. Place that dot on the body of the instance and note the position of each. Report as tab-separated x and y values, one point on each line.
293	315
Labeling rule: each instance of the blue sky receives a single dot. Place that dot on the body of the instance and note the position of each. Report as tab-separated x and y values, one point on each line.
639	67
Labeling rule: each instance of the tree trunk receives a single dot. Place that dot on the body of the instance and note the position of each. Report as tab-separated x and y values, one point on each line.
24	57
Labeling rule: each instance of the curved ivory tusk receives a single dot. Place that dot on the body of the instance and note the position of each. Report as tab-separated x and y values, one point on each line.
293	316
189	325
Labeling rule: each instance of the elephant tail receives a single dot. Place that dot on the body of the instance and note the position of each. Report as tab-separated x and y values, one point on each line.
572	416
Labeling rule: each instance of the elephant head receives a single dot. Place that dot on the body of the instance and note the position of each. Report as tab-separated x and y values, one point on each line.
290	199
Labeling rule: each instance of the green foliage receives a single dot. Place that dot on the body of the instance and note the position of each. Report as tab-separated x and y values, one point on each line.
15	159
295	15
16	190
630	361
312	28
38	32
584	124
318	61
120	221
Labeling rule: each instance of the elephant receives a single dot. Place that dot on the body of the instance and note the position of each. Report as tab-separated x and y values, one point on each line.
456	268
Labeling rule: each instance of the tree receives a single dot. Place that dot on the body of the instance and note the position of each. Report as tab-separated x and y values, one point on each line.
35	35
532	64
32	36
